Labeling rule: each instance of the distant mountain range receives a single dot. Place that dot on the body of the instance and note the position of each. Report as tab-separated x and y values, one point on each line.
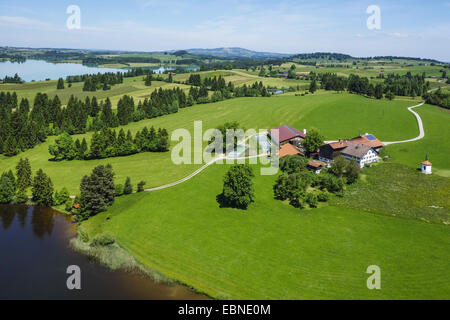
237	53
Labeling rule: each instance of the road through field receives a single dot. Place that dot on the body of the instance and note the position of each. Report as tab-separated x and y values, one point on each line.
419	122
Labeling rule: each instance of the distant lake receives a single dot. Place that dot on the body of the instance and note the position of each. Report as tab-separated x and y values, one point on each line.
35	254
39	70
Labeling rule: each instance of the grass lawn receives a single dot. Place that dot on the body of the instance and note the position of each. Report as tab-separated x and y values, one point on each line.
437	130
336	115
397	190
274	251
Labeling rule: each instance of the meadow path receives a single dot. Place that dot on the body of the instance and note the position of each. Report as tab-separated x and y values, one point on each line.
216	159
419	122
200	170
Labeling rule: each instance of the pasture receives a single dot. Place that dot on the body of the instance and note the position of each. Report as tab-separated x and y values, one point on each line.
272	250
335	115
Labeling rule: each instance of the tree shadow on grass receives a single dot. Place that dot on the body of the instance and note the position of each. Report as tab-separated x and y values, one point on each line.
224	203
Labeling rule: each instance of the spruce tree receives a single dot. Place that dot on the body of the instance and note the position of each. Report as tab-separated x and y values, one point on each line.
128	188
60	85
23	172
6	190
42	189
10	147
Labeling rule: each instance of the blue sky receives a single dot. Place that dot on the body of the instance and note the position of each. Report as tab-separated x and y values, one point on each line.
408	28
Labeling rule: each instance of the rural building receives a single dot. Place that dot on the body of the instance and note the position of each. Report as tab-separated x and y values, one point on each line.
283	74
316	166
347	148
361	153
287	134
330	151
289	150
369	140
427	166
302	74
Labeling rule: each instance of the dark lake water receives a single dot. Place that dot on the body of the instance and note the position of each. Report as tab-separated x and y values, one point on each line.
35	253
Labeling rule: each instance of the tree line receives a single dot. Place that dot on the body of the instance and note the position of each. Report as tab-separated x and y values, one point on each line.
438	98
14	187
23	127
394	84
107	143
14	79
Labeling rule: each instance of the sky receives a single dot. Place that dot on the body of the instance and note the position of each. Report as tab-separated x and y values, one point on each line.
407	27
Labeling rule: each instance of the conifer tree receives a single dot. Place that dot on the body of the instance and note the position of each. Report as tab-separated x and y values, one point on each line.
23	172
60	85
42	189
128	188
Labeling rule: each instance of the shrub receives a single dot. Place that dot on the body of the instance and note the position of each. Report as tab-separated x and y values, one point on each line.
141	186
83	236
323	196
62	197
68	205
311	199
102	240
118	190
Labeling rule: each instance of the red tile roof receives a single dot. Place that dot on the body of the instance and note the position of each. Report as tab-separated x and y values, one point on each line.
286	133
288	150
374	143
339	144
427	163
316	164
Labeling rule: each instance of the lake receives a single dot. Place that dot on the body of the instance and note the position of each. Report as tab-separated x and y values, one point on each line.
40	70
35	253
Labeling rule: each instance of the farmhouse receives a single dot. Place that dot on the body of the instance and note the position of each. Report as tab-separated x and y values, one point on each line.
361	153
364	149
330	151
369	140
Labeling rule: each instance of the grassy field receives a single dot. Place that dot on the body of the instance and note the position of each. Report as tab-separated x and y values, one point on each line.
133	86
336	115
136	88
397	190
273	251
436	122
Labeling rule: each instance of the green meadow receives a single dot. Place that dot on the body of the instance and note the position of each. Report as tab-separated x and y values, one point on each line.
133	86
335	115
274	251
435	144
